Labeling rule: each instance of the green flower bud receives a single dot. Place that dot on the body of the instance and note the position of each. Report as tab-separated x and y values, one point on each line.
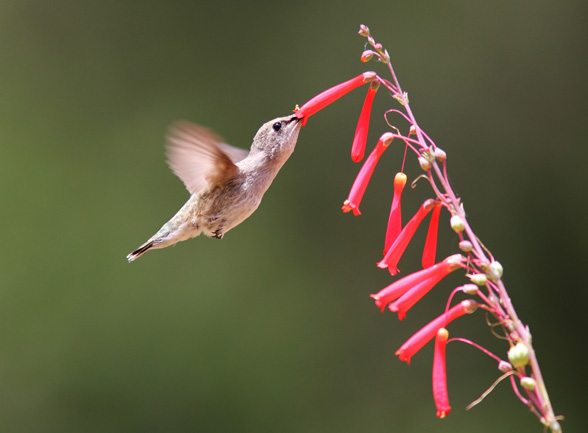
528	383
494	270
479	279
518	355
456	222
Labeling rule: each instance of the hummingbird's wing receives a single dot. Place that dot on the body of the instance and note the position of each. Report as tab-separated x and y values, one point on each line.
198	157
235	153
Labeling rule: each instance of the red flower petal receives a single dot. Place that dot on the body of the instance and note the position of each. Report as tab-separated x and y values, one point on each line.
431	242
361	181
428	332
439	375
323	99
412	296
394	253
361	132
403	285
395	219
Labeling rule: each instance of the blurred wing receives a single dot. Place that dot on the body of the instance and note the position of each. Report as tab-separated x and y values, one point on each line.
196	155
236	154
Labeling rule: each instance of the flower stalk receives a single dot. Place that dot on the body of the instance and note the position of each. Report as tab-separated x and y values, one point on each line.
496	299
488	293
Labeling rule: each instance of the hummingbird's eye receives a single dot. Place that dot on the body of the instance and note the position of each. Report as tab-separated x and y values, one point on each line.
277	126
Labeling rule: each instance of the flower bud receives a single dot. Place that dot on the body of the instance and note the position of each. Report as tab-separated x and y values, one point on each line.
363	30
504	366
494	270
469	289
425	165
518	355
528	383
466	246
479	279
412	130
367	55
456	223
440	154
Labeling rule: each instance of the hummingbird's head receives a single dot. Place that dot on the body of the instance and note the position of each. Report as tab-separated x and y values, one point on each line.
277	138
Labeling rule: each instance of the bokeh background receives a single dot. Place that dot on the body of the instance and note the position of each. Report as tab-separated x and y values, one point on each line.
271	329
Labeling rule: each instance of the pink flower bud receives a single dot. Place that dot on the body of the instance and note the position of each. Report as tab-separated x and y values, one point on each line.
466	246
440	154
504	366
363	30
367	55
424	163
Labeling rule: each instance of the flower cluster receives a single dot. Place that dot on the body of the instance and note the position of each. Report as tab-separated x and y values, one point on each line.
486	289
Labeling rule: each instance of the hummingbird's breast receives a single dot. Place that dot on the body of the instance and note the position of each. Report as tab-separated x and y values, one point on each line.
226	206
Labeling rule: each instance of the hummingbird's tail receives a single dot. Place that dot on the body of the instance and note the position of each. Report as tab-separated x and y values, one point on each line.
140	251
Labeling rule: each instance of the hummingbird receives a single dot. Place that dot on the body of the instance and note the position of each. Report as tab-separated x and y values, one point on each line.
226	183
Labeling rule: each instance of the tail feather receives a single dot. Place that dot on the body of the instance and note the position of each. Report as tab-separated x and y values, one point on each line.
140	251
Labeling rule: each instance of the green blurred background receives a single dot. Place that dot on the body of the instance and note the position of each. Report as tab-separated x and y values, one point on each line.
272	329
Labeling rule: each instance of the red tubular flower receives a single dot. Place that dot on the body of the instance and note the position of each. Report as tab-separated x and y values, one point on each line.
395	220
415	293
399	287
428	332
323	99
365	174
361	132
431	242
396	250
440	375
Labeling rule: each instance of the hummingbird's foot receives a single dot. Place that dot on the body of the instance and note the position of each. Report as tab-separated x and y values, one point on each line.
218	234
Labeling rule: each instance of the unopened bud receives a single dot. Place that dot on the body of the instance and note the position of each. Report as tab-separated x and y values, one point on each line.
363	30
478	279
367	55
469	289
412	130
518	355
425	165
440	154
494	270
528	383
456	223
504	366
378	47
466	246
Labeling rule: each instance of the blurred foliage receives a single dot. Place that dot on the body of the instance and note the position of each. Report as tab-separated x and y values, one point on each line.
272	329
